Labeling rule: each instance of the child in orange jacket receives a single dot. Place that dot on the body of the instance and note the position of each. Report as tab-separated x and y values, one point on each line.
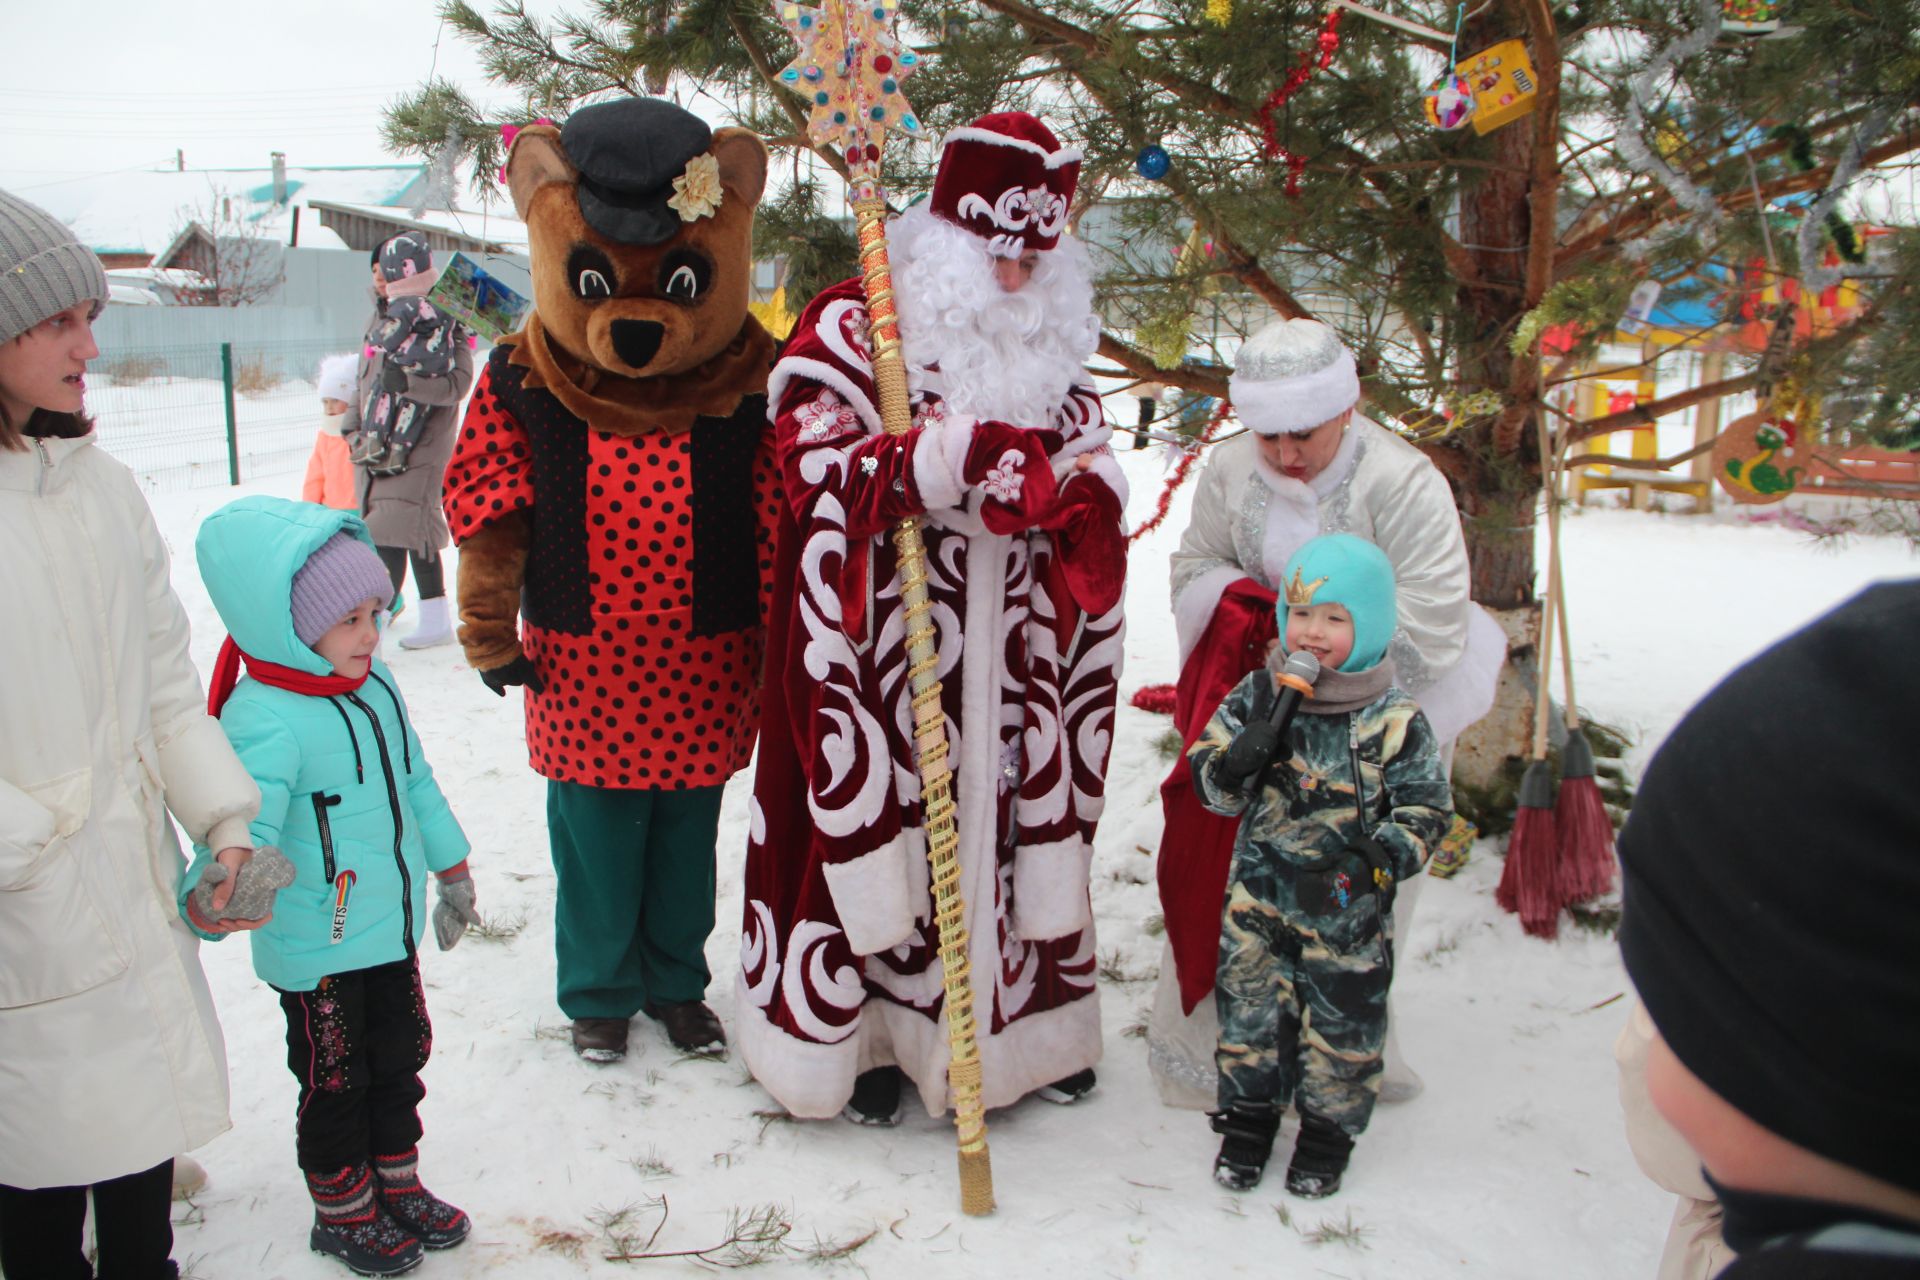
329	479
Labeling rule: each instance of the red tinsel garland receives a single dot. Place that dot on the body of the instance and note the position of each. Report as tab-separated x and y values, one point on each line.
1158	698
1179	475
1328	42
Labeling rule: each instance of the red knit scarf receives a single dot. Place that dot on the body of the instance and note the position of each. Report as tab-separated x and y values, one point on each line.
226	674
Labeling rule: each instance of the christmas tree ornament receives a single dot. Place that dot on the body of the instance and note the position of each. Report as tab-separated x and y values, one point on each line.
1219	12
849	70
1756	459
1750	17
1449	100
1640	304
1503	85
1153	162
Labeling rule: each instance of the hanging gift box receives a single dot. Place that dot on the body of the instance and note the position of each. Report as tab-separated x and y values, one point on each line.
1503	84
1750	17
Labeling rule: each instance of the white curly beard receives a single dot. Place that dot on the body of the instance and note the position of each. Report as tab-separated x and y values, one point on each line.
1010	357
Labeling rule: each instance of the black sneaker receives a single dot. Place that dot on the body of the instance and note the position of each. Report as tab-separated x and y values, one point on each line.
876	1098
372	1246
1247	1130
1068	1091
1319	1158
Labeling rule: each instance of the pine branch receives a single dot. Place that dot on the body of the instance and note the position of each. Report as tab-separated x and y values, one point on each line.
788	103
1189	376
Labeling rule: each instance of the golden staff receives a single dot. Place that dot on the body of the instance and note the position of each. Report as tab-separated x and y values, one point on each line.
849	71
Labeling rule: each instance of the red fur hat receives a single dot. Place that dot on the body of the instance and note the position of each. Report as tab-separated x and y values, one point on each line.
1007	179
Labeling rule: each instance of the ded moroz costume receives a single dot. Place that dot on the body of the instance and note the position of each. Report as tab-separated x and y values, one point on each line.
1008	462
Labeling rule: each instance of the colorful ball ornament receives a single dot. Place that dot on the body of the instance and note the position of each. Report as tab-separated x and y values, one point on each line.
1153	162
1449	101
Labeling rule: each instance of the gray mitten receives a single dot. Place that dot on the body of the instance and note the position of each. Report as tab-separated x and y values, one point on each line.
264	874
454	912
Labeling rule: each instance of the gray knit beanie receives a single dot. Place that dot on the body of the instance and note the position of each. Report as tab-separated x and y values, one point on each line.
44	269
343	574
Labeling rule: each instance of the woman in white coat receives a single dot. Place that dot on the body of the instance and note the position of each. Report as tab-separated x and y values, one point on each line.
111	1061
1309	464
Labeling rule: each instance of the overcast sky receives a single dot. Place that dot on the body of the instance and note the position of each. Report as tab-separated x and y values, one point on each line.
102	85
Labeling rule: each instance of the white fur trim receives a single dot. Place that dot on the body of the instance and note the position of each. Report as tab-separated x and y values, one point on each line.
1050	898
1031	1051
1465	691
1193	608
826	375
870	895
812	1081
939	462
1296	404
1054	159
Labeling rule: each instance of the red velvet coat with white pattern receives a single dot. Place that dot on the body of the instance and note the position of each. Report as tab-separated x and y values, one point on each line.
840	965
647	574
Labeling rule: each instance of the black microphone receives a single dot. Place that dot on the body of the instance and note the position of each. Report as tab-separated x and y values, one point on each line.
1248	754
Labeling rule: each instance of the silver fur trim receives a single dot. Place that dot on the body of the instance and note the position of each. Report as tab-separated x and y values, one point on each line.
1339	507
1411	668
1250	532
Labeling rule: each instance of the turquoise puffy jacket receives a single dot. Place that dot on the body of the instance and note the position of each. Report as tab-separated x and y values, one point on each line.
345	789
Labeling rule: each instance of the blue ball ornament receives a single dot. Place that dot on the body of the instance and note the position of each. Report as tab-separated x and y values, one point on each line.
1153	162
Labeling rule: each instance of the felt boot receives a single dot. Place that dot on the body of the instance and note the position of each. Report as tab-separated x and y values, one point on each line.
435	627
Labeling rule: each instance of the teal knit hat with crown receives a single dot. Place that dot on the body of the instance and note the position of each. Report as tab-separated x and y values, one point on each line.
1339	568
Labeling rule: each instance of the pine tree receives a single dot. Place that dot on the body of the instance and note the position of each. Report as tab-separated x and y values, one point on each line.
1445	254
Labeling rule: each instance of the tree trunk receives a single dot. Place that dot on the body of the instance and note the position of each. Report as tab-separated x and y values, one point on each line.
1496	470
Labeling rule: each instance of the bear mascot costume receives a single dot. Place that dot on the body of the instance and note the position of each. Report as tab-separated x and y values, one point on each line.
614	497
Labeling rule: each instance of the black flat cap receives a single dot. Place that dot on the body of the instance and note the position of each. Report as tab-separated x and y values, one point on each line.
628	153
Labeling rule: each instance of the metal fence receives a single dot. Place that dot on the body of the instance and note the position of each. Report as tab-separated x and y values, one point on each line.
202	415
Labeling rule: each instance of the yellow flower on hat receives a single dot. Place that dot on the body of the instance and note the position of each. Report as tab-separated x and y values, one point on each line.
697	191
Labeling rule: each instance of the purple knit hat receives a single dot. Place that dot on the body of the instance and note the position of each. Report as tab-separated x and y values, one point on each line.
343	574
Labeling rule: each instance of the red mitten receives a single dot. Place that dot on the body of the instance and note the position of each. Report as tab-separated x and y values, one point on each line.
1089	548
1009	467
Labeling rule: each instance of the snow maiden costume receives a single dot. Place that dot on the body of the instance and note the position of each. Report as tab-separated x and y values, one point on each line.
614	494
1008	461
1248	519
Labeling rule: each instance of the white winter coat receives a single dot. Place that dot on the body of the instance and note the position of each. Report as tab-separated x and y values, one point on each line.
111	1060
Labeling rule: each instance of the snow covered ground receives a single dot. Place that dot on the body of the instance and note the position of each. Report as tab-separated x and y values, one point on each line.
1511	1165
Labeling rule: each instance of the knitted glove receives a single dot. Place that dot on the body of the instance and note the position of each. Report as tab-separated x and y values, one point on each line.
455	910
393	378
520	671
259	879
1009	467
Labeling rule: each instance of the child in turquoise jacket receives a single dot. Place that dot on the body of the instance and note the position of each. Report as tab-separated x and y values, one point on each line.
348	797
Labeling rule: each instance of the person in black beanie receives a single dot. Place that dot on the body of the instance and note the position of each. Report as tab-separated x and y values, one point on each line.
1771	925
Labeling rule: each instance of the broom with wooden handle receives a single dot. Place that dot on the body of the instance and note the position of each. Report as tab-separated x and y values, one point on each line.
849	71
1530	882
1583	831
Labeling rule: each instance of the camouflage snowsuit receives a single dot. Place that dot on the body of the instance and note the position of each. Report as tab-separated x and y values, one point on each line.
1304	962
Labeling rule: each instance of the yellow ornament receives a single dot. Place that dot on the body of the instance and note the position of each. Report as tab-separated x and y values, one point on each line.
1219	12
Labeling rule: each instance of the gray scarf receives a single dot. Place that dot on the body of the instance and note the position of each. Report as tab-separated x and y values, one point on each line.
1338	692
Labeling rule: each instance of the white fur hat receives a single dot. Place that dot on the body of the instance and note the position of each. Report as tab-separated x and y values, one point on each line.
336	378
1293	375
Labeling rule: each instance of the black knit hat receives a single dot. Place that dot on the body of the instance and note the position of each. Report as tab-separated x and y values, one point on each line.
628	152
1772	910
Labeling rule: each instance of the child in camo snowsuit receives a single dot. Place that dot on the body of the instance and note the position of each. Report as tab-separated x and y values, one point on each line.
1305	956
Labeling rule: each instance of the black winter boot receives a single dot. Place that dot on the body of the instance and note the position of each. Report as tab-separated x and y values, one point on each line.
1247	1129
437	1224
350	1224
1319	1158
876	1098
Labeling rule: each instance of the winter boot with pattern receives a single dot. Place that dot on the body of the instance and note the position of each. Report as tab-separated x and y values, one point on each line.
350	1224
1247	1130
1319	1158
437	1224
